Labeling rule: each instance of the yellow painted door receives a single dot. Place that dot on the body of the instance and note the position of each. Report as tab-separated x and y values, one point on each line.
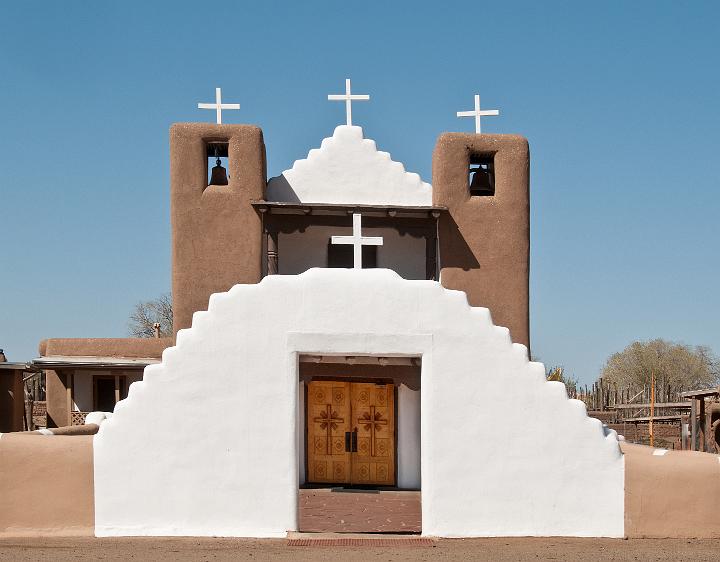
373	418
328	422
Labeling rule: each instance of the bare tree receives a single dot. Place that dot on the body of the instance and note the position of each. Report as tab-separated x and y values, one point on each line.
149	313
677	364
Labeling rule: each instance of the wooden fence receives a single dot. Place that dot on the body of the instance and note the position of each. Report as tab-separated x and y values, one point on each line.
603	396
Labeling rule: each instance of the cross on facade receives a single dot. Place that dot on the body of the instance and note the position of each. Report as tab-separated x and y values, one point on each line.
328	421
357	240
348	98
477	113
218	106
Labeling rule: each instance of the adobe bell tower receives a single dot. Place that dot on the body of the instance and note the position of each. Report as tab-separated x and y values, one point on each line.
216	233
484	238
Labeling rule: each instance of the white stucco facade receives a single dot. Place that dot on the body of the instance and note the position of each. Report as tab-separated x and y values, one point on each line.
349	169
161	470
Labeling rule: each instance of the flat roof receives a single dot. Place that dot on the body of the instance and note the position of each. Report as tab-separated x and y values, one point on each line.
95	362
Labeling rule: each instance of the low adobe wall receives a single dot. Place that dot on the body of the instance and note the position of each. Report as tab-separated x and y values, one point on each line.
46	485
671	494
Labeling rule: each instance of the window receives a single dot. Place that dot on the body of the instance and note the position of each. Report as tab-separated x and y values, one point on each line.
341	255
481	175
217	163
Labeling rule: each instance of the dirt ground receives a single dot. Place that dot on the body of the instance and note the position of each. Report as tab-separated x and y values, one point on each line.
216	550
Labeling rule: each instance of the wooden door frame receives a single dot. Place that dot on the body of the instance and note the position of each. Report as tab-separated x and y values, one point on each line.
367	380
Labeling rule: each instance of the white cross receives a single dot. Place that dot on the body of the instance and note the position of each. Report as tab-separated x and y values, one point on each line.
218	106
348	98
357	240
477	113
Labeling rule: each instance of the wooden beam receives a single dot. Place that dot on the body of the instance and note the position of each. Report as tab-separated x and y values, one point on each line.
431	257
693	425
117	389
701	424
707	430
673	405
645	419
271	237
69	394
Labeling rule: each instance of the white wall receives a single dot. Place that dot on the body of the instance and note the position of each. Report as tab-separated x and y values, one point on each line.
300	251
83	389
349	169
161	470
408	449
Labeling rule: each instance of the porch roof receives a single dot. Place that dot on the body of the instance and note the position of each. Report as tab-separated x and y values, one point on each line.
342	209
94	362
14	366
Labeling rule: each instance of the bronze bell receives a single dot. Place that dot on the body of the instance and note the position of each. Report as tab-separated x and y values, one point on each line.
481	181
219	174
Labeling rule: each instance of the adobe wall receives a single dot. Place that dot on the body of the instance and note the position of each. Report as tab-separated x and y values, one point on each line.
485	241
105	347
46	485
216	233
671	494
58	414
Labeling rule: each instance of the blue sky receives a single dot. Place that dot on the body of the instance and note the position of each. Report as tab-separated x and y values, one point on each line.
619	101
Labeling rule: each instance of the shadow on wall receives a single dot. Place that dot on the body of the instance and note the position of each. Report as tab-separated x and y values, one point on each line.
279	189
455	251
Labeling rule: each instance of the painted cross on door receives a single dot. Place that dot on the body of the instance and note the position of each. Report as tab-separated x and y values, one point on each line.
328	420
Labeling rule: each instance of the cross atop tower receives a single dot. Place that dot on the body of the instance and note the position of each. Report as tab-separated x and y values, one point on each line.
477	113
218	106
348	98
357	240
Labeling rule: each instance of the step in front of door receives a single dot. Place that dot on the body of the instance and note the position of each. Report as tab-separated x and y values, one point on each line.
322	510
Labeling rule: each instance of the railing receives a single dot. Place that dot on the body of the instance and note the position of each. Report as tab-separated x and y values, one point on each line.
78	418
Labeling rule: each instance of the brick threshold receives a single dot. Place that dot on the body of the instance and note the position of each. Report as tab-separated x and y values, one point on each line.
371	541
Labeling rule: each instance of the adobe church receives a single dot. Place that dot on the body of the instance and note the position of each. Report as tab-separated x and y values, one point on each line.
338	327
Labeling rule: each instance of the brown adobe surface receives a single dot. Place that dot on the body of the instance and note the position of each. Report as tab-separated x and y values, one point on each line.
216	233
105	347
485	241
46	485
495	550
675	494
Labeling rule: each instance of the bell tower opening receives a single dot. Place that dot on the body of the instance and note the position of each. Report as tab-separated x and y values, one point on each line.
217	162
481	175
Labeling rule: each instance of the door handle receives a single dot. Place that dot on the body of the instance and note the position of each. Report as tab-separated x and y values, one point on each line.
348	442
354	441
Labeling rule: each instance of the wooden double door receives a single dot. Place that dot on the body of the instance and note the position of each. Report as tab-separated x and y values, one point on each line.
350	433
